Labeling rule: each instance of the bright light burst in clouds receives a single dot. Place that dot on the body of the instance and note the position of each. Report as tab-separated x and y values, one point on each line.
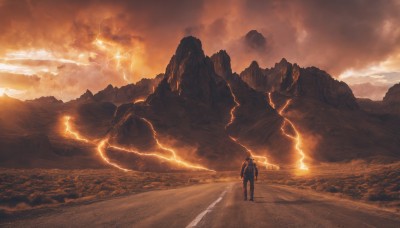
64	47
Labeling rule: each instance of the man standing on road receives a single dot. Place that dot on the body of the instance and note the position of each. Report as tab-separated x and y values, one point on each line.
247	173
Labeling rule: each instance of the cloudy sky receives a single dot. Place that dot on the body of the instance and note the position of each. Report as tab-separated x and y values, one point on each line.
63	47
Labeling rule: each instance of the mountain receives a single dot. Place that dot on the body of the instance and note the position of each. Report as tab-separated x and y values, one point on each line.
211	115
32	132
45	100
294	81
257	124
393	95
189	110
334	135
202	112
130	92
392	100
390	105
325	112
124	94
31	136
86	97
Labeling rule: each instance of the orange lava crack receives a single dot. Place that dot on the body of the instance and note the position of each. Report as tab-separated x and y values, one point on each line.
103	144
262	159
296	138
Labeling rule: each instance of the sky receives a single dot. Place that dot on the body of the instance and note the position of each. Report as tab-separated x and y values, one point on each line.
63	47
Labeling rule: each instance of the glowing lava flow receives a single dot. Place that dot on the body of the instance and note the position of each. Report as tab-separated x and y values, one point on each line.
296	137
174	157
139	100
156	138
262	159
100	146
103	144
69	131
101	149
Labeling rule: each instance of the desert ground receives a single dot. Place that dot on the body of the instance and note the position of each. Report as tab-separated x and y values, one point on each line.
26	191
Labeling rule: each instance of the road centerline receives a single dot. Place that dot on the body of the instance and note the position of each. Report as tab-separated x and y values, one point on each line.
208	209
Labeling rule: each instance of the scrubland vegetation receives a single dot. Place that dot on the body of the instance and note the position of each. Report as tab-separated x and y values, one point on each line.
23	189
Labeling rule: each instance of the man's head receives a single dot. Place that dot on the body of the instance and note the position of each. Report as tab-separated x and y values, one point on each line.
248	158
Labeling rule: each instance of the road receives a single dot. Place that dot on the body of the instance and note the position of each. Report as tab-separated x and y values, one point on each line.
216	205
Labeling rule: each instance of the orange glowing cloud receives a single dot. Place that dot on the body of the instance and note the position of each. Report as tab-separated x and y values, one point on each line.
75	43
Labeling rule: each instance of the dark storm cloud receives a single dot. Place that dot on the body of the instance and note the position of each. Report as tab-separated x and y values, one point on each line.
332	35
69	28
63	22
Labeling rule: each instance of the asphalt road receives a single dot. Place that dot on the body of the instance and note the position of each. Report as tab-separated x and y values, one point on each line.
216	205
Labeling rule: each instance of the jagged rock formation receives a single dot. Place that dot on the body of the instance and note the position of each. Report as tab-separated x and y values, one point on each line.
125	94
31	136
190	108
256	123
128	93
393	95
389	105
45	100
292	80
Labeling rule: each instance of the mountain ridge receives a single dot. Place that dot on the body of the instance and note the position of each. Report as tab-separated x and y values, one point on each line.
207	114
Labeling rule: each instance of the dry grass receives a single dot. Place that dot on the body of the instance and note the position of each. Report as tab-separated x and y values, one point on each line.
22	190
371	183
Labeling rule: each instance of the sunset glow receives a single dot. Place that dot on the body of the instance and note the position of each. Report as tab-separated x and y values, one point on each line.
117	43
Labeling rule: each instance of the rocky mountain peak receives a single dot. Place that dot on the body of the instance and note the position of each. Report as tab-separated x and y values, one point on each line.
46	100
393	94
283	67
292	80
109	87
222	64
86	96
254	65
254	76
189	61
88	93
191	74
189	48
283	62
255	40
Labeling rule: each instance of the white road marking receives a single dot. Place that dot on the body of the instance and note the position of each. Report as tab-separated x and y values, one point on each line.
209	209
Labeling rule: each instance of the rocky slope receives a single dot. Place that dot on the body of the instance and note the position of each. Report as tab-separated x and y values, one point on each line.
188	109
206	114
326	113
390	105
32	132
294	81
31	136
393	95
256	124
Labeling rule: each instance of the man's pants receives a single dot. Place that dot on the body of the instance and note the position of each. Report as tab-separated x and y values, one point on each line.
245	180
